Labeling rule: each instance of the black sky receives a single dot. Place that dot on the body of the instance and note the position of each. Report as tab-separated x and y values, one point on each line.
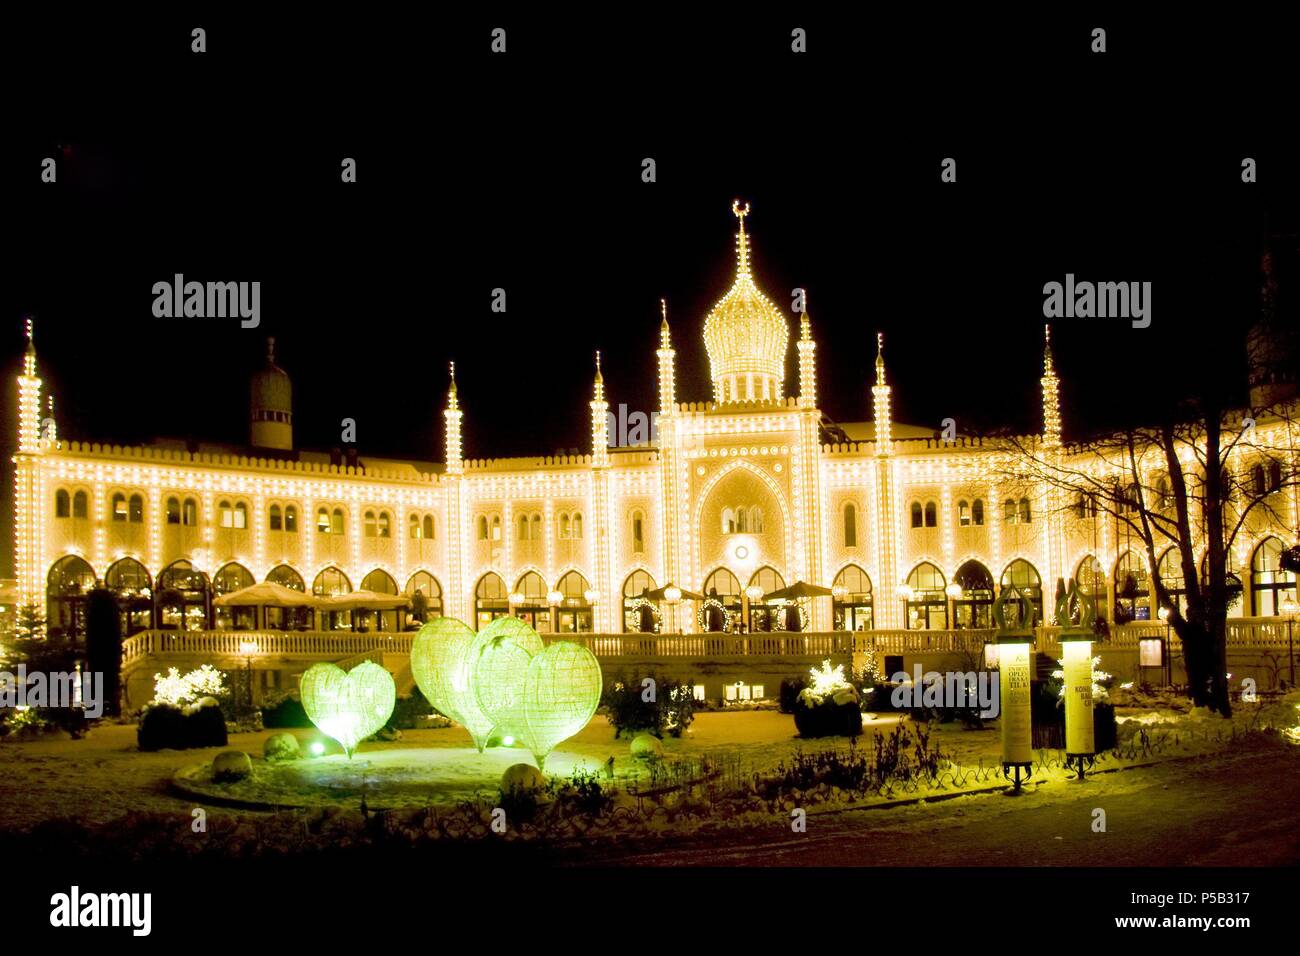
529	180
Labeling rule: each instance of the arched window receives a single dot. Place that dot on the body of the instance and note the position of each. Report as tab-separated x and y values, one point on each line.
1009	511
231	577
173	511
742	520
763	615
638	532
724	587
1023	576
925	602
1269	584
1091	578
287	576
635	619
1170	569
336	522
1274	476
290	519
1259	480
931	514
977	512
79	509
918	515
974	607
496	527
573	615
182	597
69	581
1132	589
577	524
329	582
130	584
369	519
756	520
1026	514
118	510
534	607
428	527
415	525
963	514
852	600
850	526
728	521
523	527
275	518
482	527
136	509
323	521
426	596
379	581
385	525
62	504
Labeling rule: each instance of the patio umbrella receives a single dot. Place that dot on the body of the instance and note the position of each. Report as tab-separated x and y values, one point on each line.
800	589
658	595
364	601
267	594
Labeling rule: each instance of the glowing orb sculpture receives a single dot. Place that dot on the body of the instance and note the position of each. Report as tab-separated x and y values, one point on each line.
561	693
440	664
348	705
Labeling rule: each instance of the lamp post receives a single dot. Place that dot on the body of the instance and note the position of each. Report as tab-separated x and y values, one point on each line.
753	594
1014	686
1076	667
554	599
905	592
1291	608
248	649
954	592
673	597
592	596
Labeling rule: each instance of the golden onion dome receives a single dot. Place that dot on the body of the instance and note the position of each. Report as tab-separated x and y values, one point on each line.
271	389
746	335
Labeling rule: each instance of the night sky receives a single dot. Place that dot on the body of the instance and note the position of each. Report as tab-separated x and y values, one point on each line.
527	177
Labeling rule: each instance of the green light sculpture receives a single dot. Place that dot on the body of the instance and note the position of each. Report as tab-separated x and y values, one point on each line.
504	682
560	695
348	705
440	664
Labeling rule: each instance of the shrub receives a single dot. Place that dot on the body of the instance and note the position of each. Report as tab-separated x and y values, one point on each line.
836	716
408	710
285	712
789	693
166	727
670	711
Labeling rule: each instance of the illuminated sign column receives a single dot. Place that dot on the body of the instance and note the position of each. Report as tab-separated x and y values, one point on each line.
1077	673
1014	684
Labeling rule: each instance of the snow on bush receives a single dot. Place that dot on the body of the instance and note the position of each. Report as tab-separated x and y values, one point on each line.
178	691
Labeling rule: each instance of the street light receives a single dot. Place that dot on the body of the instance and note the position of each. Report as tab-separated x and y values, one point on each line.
248	649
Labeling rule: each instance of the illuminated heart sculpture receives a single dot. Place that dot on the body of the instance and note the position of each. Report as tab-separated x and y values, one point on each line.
440	665
348	705
561	693
499	661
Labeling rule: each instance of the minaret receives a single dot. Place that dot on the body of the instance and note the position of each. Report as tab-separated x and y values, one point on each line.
599	422
880	402
451	417
28	508
1051	395
667	376
807	361
271	406
890	613
50	426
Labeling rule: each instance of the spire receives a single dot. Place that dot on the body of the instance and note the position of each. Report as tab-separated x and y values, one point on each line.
805	322
880	393
599	422
667	379
807	360
742	245
451	420
1048	368
880	358
600	380
1051	394
665	339
29	356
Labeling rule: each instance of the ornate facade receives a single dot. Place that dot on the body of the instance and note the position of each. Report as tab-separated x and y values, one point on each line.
739	495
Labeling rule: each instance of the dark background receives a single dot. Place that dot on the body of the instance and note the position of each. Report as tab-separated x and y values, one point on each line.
523	172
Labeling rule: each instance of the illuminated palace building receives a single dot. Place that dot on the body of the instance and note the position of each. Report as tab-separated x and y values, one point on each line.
736	496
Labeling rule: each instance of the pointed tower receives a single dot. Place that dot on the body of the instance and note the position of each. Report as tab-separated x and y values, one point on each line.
1051	395
667	355
271	405
28	509
746	335
887	514
451	419
807	361
599	422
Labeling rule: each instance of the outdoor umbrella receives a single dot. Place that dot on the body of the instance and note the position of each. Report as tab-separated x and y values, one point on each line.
799	589
267	594
364	601
686	595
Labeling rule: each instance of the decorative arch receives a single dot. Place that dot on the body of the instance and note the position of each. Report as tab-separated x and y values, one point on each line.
131	585
573	614
330	581
787	542
491	599
67	583
231	576
973	608
379	581
423	586
1132	588
183	593
925	600
286	575
1270	586
1024	577
852	598
1090	576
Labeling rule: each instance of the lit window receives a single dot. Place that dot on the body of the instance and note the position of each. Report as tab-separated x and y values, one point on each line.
336	522
415	526
241	515
482	528
119	507
190	513
62	504
1009	511
428	527
291	519
918	519
977	512
370	524
564	525
385	525
173	511
577	525
931	514
523	527
276	518
963	514
323	521
496	527
79	505
227	518
1026	515
537	527
137	509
